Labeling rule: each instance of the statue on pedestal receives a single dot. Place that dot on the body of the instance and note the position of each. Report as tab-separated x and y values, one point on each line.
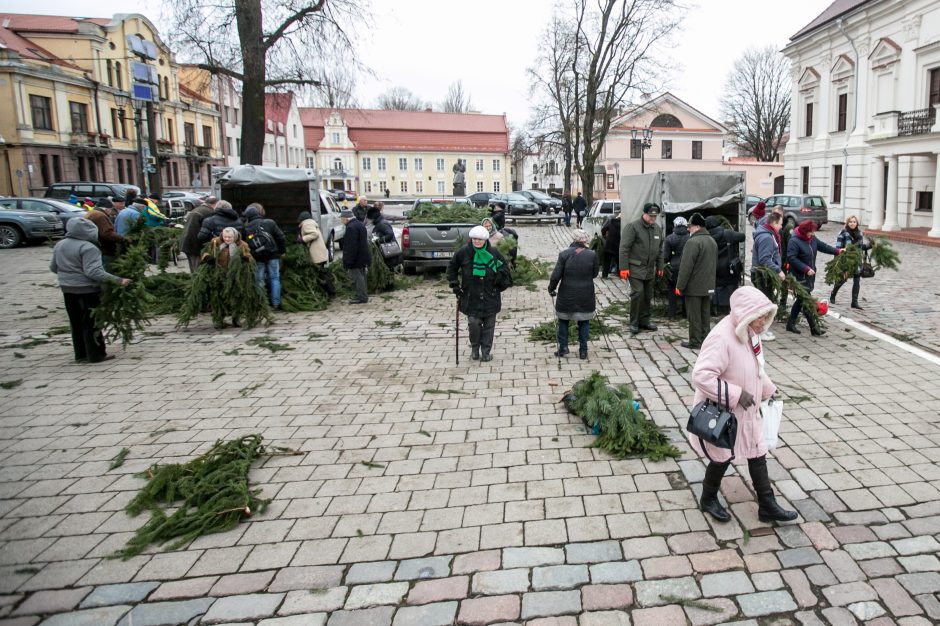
460	187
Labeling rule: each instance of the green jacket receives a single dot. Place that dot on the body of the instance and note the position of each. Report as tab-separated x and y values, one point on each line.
641	249
697	270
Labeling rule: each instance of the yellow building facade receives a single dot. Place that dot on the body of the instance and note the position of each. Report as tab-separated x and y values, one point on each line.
67	112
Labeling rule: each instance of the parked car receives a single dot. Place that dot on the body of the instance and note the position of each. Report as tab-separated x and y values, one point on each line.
547	204
18	226
64	210
84	189
481	198
750	201
599	212
798	208
516	204
189	199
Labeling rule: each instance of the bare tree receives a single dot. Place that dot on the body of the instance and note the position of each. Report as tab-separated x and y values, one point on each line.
244	39
756	101
518	150
401	99
613	59
337	88
457	99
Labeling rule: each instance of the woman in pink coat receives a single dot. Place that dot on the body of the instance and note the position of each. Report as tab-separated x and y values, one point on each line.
732	353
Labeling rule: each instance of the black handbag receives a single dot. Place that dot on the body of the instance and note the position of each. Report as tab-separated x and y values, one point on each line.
867	271
390	249
713	424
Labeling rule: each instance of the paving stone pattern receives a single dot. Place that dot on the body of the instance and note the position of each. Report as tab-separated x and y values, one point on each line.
429	493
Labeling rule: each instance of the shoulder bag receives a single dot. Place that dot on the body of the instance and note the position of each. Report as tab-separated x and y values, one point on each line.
713	424
390	249
867	270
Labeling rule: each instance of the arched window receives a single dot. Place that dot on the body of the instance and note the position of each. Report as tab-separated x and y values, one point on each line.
337	164
110	67
666	120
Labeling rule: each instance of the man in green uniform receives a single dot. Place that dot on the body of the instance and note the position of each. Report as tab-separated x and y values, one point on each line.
697	280
641	261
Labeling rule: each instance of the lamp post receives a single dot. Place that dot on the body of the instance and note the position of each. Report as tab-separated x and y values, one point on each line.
646	141
121	100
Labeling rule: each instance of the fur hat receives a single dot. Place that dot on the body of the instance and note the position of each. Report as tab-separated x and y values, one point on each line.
651	208
104	203
479	232
679	221
580	236
697	219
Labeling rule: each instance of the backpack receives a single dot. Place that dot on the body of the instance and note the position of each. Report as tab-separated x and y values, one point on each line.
260	242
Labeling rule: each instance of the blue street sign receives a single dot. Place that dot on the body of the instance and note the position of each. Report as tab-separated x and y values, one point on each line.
141	91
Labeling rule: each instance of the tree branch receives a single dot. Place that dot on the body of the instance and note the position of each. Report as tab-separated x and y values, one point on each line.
273	38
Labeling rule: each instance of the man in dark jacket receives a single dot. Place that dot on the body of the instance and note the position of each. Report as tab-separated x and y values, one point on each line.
696	281
477	275
575	270
266	241
102	216
728	267
766	253
224	217
567	207
672	255
611	233
361	209
189	241
383	232
579	206
356	255
641	262
801	256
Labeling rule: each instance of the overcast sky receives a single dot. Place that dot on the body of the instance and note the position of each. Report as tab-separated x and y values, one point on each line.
425	45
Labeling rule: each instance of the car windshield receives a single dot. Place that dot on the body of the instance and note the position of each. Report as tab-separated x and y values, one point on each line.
540	195
516	197
816	202
64	206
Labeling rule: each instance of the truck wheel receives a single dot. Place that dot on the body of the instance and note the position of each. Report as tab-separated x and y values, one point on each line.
10	236
329	248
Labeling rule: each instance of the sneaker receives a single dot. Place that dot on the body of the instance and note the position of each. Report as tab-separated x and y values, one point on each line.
767	336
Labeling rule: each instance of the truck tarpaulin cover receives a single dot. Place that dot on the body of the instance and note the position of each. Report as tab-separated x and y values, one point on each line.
244	175
680	192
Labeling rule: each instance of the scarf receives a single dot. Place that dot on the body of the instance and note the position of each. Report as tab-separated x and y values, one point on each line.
483	259
805	237
855	234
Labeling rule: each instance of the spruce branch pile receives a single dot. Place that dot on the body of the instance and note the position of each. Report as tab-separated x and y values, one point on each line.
169	291
301	282
598	245
884	255
624	429
230	291
456	213
209	494
527	271
379	278
125	310
766	277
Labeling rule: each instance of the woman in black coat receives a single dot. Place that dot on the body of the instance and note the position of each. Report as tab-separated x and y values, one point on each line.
575	271
801	258
852	233
726	281
611	233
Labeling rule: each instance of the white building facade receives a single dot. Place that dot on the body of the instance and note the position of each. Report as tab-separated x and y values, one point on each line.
865	130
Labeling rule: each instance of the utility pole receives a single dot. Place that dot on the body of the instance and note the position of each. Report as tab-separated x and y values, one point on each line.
144	77
156	184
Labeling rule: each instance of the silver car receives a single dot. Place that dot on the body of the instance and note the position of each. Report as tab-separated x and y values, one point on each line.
799	208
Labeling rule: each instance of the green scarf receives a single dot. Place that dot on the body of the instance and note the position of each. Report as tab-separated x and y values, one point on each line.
482	259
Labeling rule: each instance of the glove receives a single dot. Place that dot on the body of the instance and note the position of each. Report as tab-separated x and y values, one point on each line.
839	251
659	273
746	401
551	292
624	274
209	260
678	293
456	289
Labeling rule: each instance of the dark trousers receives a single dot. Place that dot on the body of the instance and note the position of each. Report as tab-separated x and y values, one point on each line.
675	305
584	330
698	309
193	260
581	215
611	262
641	296
87	341
856	288
795	313
567	218
358	275
481	331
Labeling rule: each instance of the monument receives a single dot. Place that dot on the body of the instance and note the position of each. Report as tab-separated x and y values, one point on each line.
460	187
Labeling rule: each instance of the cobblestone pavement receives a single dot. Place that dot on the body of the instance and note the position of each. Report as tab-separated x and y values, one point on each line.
476	506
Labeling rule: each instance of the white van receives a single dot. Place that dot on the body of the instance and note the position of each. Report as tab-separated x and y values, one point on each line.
600	212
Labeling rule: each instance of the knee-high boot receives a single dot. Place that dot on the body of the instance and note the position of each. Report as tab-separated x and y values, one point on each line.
856	288
709	502
767	508
835	290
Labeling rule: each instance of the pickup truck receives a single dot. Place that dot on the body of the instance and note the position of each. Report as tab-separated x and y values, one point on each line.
426	246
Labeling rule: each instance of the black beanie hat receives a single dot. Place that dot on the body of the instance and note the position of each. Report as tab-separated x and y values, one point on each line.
697	219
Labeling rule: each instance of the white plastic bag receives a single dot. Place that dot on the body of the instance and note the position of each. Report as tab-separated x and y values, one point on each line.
771	412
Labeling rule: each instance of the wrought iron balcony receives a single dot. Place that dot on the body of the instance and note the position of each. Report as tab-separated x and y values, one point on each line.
916	122
89	143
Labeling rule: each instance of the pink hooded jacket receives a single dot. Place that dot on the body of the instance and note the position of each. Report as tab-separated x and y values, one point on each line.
727	354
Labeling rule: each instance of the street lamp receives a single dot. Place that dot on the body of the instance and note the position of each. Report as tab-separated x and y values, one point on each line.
645	142
121	100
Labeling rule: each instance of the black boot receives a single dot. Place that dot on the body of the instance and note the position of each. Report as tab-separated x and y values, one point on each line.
767	508
815	329
856	288
791	326
709	502
475	352
835	290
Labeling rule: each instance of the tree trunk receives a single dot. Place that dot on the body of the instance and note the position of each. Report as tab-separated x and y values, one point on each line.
248	19
568	158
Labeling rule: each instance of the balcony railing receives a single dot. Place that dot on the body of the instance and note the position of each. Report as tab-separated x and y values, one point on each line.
89	143
197	152
916	122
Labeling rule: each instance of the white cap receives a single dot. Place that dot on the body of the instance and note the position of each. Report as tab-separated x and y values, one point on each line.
479	232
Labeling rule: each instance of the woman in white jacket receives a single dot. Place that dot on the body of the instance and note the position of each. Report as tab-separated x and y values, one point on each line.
312	238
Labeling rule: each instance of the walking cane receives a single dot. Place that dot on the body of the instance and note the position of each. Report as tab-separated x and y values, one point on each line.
600	323
457	334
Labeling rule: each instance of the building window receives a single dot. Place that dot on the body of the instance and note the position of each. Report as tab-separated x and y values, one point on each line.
117	125
440	164
479	186
610	181
238	146
367	186
496	165
382	186
380	162
110	70
338	164
419	186
495	186
924	201
697	150
933	89
836	184
808	123
335	137
44	170
535	168
78	111
419	164
118	78
120	170
231	148
166	87
403	185
440	186
479	165
402	164
636	149
367	164
311	162
804	180
207	136
667	148
169	129
294	129
843	111
189	134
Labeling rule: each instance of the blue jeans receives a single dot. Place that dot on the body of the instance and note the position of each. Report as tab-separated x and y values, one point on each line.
272	269
584	327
